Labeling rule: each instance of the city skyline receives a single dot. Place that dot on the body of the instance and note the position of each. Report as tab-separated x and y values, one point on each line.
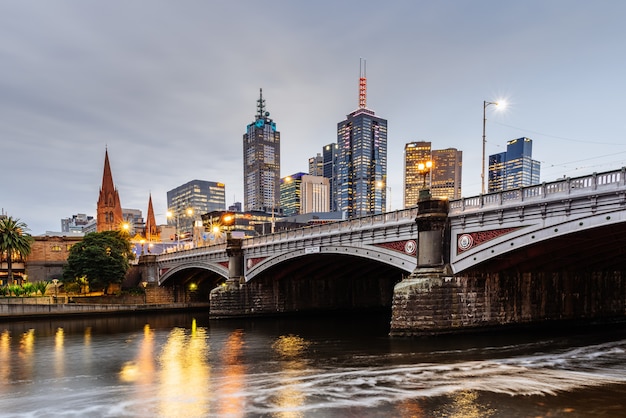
169	101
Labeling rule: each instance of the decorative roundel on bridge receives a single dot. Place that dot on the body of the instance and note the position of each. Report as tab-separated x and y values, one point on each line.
465	242
410	247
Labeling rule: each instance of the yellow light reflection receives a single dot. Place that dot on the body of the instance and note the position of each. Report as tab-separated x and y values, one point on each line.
25	354
464	405
59	352
231	399
5	358
183	374
289	397
141	371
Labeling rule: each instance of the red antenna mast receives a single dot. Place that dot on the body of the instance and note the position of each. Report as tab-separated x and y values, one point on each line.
362	84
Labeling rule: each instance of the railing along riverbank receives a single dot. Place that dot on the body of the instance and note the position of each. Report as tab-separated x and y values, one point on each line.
23	311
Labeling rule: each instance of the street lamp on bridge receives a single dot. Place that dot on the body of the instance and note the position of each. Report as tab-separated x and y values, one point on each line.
500	104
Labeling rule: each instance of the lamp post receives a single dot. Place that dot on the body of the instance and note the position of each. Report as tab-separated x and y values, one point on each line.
485	105
189	213
55	281
424	168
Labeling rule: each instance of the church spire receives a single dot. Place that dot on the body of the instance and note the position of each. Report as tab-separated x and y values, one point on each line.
109	212
152	231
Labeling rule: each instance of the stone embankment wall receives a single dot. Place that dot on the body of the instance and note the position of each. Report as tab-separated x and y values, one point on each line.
448	304
18	311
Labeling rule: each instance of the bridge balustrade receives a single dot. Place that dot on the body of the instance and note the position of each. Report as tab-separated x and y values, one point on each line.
551	190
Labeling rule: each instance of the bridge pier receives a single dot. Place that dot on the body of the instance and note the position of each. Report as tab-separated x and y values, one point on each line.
229	300
415	309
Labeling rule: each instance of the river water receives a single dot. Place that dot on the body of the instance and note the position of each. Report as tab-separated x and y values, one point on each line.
184	365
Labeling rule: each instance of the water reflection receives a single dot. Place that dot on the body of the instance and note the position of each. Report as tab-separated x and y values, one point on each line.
5	358
289	397
230	392
464	404
25	354
183	373
59	353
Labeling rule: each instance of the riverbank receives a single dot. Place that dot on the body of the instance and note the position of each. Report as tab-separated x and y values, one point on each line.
14	311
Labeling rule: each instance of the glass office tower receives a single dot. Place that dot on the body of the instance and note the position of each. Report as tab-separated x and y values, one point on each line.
513	168
362	160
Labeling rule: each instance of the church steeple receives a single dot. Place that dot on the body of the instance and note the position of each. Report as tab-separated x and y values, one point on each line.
109	217
152	231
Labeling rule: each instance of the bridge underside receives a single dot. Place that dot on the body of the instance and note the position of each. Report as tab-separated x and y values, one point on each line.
597	249
192	284
314	283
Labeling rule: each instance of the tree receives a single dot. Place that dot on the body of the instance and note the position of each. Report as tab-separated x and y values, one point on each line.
14	242
101	257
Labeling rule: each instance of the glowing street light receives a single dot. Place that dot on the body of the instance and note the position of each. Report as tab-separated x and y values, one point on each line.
500	104
424	168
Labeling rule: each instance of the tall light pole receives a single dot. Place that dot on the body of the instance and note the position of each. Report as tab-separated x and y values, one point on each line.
482	174
169	215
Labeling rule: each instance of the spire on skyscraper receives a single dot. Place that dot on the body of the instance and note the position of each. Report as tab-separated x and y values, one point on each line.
260	106
362	84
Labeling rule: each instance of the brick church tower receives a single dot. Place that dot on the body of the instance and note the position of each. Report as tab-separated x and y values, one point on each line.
152	232
109	216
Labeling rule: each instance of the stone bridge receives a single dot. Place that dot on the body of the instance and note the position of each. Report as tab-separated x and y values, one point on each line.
536	253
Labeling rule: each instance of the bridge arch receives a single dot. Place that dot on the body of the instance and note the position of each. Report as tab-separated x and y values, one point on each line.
401	261
167	276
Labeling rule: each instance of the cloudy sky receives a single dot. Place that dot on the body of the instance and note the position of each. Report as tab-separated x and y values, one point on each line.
169	87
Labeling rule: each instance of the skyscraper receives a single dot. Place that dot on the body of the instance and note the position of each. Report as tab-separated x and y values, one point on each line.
446	173
443	179
190	201
415	153
362	159
261	166
513	168
316	165
301	193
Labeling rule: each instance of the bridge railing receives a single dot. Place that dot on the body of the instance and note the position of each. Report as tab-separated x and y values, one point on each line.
331	228
565	186
365	222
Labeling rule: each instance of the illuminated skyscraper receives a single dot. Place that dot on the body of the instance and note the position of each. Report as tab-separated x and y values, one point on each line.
415	153
513	168
446	173
362	159
301	193
261	162
188	202
443	180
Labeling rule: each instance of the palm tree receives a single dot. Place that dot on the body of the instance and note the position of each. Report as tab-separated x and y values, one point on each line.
14	240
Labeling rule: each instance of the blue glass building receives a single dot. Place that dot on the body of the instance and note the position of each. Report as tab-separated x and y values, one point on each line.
513	168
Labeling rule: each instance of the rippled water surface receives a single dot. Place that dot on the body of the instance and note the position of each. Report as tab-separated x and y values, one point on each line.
187	366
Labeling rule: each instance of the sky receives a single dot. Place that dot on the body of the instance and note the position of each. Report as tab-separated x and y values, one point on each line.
168	87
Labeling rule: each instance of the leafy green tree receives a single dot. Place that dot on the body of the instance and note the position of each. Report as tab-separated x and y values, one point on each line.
14	242
101	258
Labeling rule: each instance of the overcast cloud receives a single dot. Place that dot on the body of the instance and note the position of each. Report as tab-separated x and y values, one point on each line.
169	87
